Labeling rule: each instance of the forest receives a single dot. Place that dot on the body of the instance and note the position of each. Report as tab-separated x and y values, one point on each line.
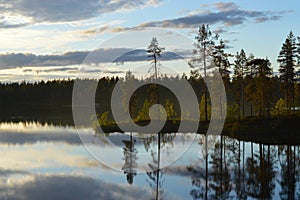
252	87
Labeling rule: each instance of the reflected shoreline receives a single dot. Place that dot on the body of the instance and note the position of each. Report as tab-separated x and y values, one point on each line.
273	131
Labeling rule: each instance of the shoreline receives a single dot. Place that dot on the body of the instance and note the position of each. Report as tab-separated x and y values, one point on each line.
272	131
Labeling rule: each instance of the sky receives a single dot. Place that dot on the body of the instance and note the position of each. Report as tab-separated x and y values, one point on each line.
52	39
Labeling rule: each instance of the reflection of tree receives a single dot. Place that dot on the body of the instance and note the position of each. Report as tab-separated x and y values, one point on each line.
240	171
220	171
267	172
252	187
130	157
166	139
198	177
154	174
260	174
253	175
287	158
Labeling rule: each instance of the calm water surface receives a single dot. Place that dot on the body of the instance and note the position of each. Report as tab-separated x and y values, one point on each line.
50	162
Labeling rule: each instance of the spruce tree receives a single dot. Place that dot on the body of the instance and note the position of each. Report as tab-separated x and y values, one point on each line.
154	51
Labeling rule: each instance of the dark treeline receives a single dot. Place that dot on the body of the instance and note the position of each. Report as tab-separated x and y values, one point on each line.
42	93
44	101
54	98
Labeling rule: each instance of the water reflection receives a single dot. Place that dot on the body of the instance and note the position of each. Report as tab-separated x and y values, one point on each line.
155	176
243	170
130	157
32	132
39	159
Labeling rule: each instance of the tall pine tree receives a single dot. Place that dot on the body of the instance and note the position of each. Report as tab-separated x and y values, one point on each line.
250	87
205	41
240	70
288	60
220	60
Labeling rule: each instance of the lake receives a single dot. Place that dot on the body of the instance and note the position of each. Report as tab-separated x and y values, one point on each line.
44	161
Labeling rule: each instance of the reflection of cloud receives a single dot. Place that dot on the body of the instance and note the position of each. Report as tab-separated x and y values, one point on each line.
45	146
43	156
28	133
29	138
69	187
190	171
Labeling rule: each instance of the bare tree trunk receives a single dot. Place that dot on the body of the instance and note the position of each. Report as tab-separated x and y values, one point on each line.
294	159
294	110
155	67
243	174
158	168
221	107
205	88
252	150
243	101
239	163
287	100
221	166
261	170
290	196
206	176
157	86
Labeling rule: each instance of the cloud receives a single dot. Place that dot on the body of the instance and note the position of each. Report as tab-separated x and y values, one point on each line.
227	14
46	38
13	20
59	69
102	55
63	10
100	30
20	59
220	30
108	29
7	172
264	19
225	7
